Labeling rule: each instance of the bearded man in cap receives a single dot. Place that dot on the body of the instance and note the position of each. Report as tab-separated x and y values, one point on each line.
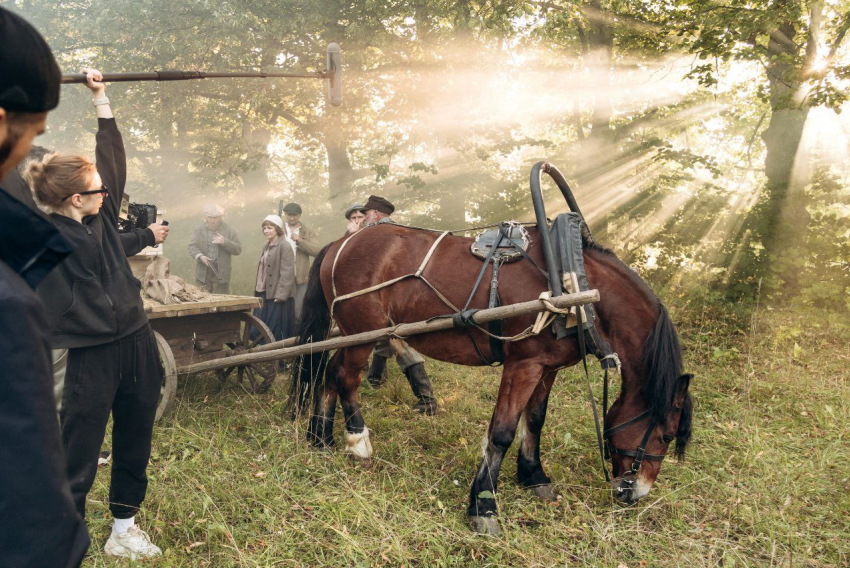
39	524
212	244
306	245
378	210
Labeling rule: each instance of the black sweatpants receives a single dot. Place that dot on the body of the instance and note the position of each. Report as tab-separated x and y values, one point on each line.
123	377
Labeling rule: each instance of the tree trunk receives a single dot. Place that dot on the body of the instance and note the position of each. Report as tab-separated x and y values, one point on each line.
597	41
256	178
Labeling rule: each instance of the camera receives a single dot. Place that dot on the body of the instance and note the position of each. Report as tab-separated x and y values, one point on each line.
138	216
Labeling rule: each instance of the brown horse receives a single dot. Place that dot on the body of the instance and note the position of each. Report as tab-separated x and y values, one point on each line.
653	407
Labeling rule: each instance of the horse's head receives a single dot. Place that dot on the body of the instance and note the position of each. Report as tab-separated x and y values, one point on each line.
639	431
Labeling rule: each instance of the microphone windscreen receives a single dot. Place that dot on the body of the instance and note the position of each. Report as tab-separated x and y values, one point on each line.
335	72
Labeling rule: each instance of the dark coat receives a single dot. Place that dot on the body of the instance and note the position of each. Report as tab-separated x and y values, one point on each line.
200	244
39	525
93	298
280	270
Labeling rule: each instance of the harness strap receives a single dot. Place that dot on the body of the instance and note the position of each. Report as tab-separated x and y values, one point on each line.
417	274
430	252
524	254
583	352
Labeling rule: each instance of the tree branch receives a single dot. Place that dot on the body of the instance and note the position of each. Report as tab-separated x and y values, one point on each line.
839	37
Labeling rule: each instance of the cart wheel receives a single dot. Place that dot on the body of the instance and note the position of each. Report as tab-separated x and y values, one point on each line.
169	381
260	376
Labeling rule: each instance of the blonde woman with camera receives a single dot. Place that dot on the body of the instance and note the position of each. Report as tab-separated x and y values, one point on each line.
96	312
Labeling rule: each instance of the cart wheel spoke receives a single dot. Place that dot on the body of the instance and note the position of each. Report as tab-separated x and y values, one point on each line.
260	375
252	379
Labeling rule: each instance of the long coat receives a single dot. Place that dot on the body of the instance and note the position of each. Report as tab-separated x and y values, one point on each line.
201	244
280	270
309	246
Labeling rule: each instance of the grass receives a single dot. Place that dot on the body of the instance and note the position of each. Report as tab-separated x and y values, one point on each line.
232	483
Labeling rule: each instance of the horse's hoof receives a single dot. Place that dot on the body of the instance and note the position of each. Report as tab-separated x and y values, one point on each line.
364	463
544	492
485	525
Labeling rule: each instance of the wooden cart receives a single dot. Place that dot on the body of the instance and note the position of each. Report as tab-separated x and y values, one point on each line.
195	332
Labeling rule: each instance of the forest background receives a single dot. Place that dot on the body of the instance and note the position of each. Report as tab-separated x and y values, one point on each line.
705	143
704	139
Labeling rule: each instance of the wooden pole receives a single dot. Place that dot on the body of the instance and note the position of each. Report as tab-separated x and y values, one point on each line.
400	330
289	342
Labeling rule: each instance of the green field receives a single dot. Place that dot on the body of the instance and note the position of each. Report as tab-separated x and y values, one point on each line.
232	482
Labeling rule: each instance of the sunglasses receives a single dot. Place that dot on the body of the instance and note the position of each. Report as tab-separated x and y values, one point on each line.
103	191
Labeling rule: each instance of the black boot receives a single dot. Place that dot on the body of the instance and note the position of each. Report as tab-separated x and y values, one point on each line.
421	386
378	373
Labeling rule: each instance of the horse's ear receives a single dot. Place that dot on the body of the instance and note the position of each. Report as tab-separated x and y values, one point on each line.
682	385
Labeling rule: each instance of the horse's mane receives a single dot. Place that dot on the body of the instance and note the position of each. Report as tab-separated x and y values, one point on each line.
662	354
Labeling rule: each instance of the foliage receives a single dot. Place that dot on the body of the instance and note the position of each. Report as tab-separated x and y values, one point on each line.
448	105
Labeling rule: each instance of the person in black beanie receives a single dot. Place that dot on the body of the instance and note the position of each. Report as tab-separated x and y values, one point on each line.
39	525
95	311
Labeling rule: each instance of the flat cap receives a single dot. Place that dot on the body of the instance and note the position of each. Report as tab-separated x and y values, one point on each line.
212	210
293	208
378	203
356	207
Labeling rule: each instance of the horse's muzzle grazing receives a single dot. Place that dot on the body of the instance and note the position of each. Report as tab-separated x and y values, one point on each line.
628	490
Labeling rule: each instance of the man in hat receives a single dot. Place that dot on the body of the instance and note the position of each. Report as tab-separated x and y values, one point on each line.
39	524
356	215
212	244
378	210
306	245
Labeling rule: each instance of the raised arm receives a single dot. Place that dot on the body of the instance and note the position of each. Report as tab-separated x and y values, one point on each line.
109	150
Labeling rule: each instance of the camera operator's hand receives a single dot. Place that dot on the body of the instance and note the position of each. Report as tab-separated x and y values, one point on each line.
205	259
160	232
218	239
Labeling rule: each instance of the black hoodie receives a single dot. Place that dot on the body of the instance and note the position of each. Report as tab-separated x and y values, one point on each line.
93	298
39	524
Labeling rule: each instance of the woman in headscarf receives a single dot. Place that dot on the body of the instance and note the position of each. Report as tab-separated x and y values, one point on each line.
276	280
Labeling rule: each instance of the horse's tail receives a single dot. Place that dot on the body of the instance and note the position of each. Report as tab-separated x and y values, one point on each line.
662	358
315	325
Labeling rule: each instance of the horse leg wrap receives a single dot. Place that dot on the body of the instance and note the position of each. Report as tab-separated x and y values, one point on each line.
358	444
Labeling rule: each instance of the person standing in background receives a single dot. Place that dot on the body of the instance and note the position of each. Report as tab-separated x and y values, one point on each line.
276	280
306	245
212	244
39	524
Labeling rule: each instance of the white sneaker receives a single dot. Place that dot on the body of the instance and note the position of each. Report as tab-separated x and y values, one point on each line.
133	544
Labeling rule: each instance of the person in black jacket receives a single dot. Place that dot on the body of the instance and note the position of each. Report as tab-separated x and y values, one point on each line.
95	310
39	525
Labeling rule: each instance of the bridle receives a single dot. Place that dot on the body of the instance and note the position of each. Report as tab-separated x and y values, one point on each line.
639	454
603	438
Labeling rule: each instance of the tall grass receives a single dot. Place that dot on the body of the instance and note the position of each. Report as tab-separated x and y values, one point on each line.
232	482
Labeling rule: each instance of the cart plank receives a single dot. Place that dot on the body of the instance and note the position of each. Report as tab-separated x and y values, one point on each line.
200	324
214	305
